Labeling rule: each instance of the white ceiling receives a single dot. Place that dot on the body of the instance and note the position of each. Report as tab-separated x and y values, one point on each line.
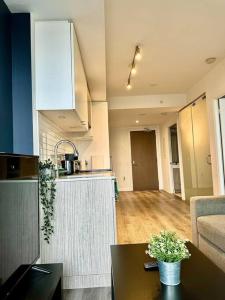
176	37
89	19
145	116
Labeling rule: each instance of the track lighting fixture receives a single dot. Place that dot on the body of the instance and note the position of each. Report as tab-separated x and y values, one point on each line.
133	70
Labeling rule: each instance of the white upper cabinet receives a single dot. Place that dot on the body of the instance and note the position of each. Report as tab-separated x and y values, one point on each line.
60	81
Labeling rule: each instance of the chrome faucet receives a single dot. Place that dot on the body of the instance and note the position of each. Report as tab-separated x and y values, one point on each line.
75	151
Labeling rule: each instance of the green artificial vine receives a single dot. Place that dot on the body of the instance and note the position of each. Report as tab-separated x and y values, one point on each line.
47	196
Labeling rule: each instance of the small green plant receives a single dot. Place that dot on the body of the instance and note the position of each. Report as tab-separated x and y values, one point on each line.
47	196
167	247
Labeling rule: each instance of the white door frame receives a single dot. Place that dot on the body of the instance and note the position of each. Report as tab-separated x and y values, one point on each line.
171	179
170	159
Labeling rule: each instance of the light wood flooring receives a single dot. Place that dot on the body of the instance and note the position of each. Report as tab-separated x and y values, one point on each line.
141	214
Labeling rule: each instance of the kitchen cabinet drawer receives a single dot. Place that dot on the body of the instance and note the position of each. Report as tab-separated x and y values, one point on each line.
84	230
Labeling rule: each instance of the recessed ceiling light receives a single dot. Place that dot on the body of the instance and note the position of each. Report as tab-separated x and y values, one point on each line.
210	60
61	117
137	121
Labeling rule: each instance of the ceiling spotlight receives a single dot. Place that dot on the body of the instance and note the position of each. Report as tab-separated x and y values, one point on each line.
129	86
210	60
133	71
138	53
137	121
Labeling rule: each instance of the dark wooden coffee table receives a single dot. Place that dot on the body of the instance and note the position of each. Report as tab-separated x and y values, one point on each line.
200	278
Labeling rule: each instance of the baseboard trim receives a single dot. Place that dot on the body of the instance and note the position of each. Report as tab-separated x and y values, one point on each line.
126	189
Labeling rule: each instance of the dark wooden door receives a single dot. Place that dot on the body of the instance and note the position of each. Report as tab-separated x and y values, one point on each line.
144	160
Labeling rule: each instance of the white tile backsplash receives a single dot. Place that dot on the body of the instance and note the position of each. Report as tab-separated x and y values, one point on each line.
49	135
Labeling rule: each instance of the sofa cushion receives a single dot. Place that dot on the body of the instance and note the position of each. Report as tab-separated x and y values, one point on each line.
213	229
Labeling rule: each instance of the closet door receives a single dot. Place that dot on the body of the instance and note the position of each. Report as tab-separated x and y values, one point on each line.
202	148
197	170
188	153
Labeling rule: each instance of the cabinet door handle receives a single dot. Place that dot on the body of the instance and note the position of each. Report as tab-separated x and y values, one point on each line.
208	159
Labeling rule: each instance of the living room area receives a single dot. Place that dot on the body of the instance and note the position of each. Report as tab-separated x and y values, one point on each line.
112	150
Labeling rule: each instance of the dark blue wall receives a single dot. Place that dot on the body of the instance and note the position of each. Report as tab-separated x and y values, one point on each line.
21	84
15	82
6	124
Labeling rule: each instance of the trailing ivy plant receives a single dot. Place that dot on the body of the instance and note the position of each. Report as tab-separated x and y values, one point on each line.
47	196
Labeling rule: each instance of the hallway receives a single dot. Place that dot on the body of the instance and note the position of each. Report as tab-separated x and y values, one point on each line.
140	214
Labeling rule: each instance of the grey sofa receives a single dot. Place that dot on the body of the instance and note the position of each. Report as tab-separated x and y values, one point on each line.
208	227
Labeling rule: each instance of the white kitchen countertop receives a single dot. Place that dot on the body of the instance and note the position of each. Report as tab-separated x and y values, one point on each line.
87	176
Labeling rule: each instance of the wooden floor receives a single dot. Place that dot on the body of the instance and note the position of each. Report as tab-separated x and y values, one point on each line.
140	214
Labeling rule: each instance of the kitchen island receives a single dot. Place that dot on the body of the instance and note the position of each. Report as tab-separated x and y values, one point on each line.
84	229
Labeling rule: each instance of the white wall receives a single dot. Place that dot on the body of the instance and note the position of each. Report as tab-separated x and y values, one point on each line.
121	157
120	149
213	84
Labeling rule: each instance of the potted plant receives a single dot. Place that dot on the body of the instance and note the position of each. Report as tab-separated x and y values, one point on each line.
47	196
169	250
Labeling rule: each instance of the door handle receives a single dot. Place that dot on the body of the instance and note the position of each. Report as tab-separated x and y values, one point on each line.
133	163
208	159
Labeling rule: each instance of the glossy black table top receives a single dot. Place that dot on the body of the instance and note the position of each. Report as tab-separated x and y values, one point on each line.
200	278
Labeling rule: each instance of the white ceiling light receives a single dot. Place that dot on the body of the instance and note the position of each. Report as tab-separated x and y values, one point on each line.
137	121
